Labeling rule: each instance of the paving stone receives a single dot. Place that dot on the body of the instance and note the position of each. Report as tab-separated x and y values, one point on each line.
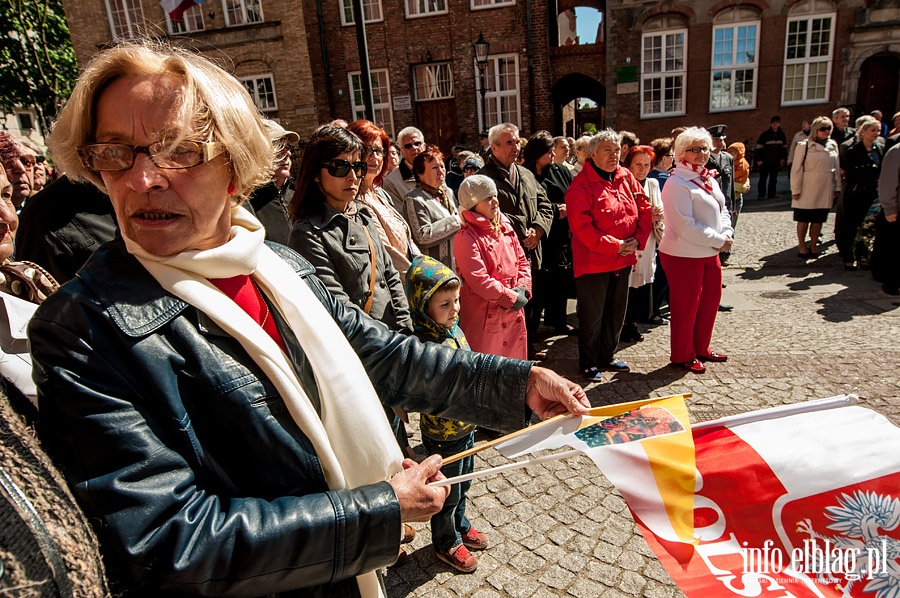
799	331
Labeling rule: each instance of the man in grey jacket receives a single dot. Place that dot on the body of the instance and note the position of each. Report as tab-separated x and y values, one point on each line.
401	180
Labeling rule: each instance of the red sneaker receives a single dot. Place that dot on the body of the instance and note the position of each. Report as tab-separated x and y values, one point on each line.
474	539
459	558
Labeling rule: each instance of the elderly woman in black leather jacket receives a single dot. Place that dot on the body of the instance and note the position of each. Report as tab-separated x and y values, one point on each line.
214	408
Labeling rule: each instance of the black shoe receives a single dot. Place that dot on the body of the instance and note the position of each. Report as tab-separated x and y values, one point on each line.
890	290
630	334
723	307
617	365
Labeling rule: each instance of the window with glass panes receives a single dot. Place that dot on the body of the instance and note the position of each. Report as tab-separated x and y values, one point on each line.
242	12
371	8
807	59
433	81
476	4
735	52
381	98
262	90
126	18
501	101
663	73
423	8
191	21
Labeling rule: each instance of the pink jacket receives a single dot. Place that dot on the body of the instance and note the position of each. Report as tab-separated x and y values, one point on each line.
490	268
602	213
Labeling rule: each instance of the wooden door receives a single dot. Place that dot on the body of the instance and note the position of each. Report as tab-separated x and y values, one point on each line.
879	78
437	120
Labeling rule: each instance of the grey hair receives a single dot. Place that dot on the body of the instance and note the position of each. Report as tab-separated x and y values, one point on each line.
604	135
497	130
689	137
582	143
409	132
836	111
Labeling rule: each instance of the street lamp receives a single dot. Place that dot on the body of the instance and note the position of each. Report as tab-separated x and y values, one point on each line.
482	49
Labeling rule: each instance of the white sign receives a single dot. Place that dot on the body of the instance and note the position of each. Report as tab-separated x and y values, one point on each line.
632	87
402	103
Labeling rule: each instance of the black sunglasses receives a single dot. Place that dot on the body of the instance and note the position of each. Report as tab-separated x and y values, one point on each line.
824	129
470	168
341	168
412	144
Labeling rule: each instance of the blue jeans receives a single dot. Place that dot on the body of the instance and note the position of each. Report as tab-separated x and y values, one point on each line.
448	525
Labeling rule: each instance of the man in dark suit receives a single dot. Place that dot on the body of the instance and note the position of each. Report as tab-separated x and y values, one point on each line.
723	163
524	201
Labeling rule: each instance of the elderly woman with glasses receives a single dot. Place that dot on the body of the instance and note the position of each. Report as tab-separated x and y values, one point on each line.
212	405
815	184
697	229
392	227
431	208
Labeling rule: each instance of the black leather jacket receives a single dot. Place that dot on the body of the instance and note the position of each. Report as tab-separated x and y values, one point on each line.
173	438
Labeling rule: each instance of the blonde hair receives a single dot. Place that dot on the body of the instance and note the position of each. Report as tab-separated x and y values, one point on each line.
820	121
211	106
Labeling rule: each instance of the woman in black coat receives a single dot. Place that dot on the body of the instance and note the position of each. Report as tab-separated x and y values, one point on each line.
861	164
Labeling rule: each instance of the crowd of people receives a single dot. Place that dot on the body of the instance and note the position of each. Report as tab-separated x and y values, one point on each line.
232	370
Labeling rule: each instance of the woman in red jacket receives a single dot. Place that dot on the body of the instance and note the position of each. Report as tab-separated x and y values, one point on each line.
610	219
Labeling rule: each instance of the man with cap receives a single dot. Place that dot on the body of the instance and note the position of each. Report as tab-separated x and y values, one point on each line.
485	151
771	156
270	201
722	163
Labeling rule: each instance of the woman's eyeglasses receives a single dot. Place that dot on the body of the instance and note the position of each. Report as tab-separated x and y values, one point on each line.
115	157
823	129
470	168
341	168
698	150
374	151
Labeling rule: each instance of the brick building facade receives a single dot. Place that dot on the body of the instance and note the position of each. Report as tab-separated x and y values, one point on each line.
654	66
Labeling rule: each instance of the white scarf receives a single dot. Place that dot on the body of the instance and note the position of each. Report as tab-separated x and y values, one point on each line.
352	440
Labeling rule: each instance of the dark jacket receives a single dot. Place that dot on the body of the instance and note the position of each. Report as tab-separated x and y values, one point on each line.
772	147
174	440
861	172
62	225
526	205
338	249
723	164
270	203
557	246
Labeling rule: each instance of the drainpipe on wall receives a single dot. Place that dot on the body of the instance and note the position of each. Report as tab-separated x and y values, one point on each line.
365	77
531	66
329	79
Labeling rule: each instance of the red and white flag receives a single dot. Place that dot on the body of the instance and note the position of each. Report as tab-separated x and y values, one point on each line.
176	8
792	505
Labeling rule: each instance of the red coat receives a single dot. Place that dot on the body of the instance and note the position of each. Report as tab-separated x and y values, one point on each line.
490	268
603	213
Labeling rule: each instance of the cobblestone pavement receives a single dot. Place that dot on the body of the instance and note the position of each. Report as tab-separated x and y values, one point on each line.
799	331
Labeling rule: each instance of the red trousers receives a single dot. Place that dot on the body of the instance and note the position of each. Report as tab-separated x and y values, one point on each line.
695	288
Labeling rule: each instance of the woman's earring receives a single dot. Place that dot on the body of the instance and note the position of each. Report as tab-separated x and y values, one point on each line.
230	189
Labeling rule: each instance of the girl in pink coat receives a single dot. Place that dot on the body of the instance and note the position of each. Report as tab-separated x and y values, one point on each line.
495	274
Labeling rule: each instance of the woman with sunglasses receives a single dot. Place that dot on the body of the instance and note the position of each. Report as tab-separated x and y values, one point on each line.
815	184
697	229
212	406
431	208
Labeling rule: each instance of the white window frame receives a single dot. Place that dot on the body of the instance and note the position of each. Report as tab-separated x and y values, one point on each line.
498	92
130	11
371	8
191	22
649	77
422	8
244	6
486	4
733	67
808	62
381	95
433	81
254	92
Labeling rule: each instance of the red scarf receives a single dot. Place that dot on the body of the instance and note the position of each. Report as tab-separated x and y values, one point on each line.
706	175
242	290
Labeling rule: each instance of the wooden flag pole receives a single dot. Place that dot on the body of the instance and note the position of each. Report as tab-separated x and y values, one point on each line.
595	412
509	466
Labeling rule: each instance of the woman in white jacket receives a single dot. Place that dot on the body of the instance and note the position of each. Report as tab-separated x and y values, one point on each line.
698	228
815	183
